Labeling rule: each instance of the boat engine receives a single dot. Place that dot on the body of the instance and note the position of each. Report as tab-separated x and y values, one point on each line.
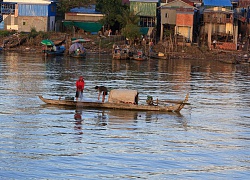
150	100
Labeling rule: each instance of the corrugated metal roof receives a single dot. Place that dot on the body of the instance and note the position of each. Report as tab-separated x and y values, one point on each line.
32	10
225	3
144	9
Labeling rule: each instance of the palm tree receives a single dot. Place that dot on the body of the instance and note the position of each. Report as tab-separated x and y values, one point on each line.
128	17
129	22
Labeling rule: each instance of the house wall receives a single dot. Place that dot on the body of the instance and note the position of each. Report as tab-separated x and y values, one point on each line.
184	25
26	16
244	3
29	1
220	29
217	18
10	22
180	14
83	17
38	16
185	31
226	46
25	23
229	28
184	19
168	16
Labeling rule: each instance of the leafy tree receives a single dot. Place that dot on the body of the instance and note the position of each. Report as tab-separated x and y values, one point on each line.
111	8
129	21
131	31
128	17
65	5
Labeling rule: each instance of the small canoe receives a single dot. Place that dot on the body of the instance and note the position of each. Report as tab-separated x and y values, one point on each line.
140	56
158	56
172	107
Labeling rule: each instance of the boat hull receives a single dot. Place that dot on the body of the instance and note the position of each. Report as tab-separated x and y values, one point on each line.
158	57
125	106
78	56
53	53
120	53
139	58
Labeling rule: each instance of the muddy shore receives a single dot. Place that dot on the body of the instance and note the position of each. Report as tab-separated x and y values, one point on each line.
33	45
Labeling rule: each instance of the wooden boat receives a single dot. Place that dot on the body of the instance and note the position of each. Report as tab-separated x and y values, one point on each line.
59	52
50	49
158	56
80	55
113	103
140	56
119	53
116	55
14	40
77	50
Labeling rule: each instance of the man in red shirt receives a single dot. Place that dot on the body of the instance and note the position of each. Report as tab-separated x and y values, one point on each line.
79	87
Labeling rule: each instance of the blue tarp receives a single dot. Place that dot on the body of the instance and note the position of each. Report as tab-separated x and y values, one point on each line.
220	3
76	46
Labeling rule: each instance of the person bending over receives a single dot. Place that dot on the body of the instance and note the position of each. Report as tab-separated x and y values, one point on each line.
103	90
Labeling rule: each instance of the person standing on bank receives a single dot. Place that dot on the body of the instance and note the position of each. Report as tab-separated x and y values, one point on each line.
103	90
214	43
79	87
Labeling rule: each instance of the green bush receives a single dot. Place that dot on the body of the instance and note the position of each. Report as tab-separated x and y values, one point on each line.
44	35
33	33
5	33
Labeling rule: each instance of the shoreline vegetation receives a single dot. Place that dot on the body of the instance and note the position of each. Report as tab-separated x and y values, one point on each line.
31	42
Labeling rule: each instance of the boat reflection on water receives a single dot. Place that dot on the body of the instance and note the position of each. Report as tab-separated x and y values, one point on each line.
115	118
78	124
78	115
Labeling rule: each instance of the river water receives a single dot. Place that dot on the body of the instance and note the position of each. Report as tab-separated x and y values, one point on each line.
209	139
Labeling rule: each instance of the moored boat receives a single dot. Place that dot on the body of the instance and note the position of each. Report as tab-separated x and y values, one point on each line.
50	49
120	52
121	99
140	56
77	50
158	55
58	52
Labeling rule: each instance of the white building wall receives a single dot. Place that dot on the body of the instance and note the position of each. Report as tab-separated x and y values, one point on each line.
30	1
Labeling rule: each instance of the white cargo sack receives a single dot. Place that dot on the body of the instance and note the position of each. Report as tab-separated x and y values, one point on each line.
123	96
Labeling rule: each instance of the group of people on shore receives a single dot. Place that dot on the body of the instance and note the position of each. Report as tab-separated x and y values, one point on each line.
80	87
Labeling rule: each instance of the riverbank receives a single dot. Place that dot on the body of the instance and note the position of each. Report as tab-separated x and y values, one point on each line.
28	43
